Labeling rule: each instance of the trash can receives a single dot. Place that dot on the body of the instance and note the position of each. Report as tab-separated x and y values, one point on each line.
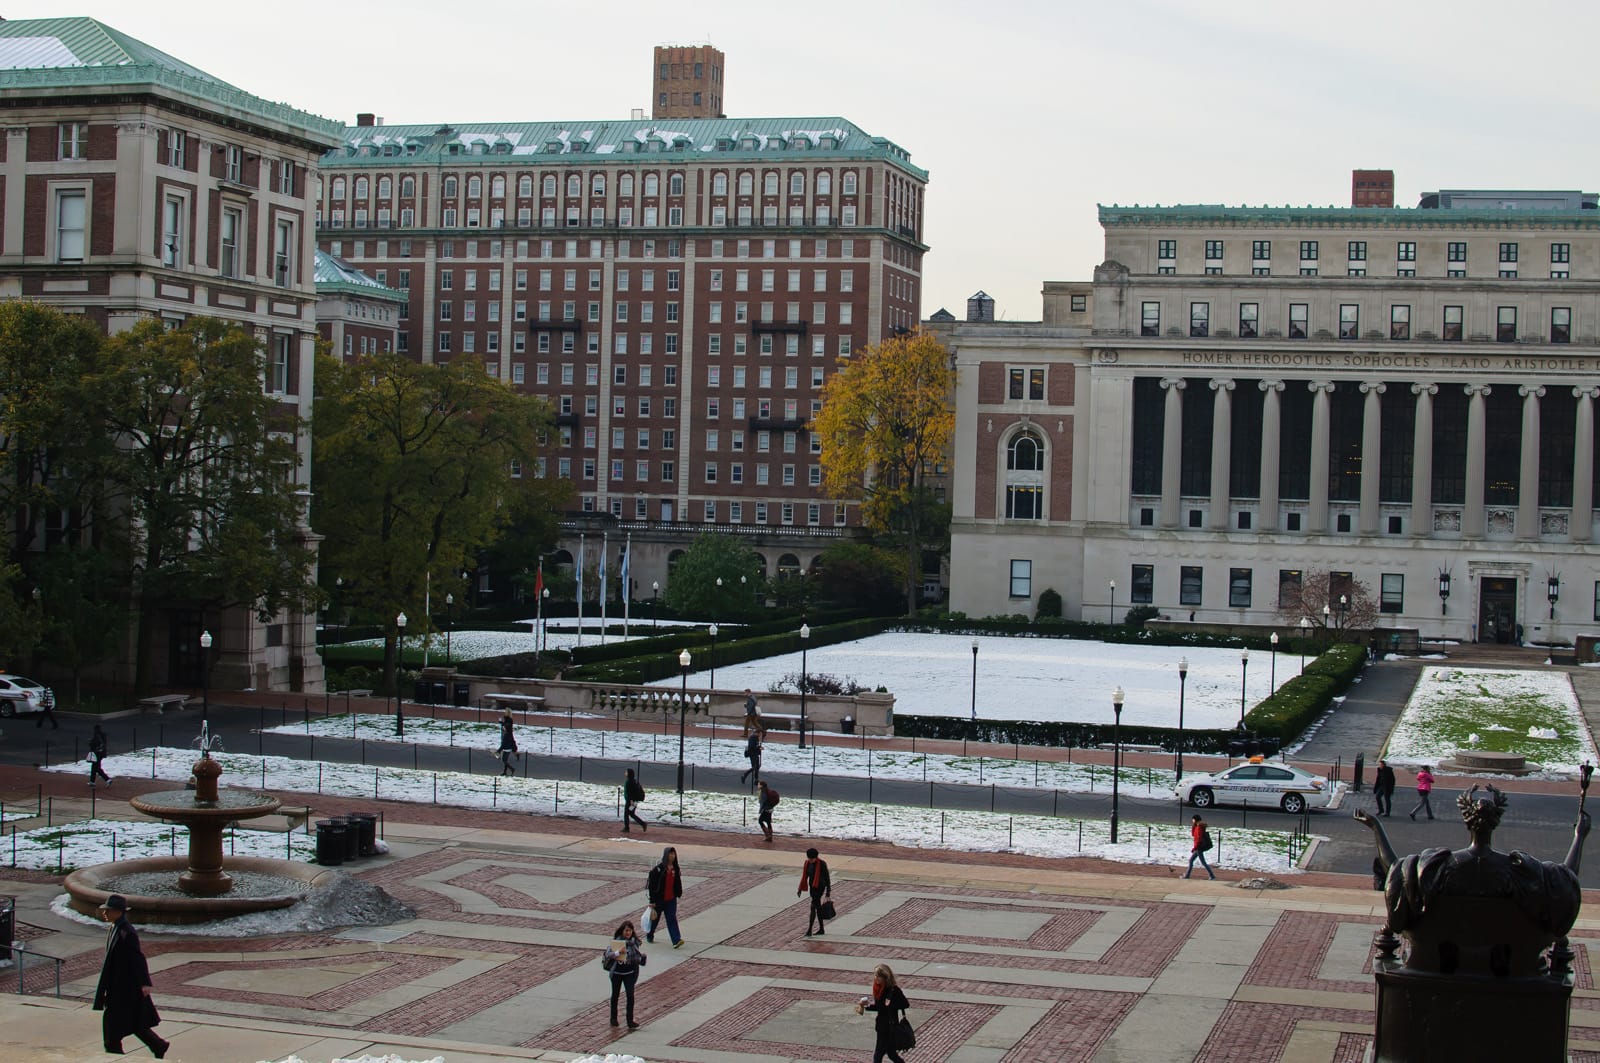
421	690
439	694
847	726
352	837
365	825
330	842
1360	769
1236	747
8	925
463	695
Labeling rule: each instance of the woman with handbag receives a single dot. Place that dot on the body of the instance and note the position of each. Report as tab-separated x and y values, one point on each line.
624	964
893	1031
814	877
1201	836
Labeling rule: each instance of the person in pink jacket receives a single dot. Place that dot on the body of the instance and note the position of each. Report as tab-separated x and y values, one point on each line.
1424	788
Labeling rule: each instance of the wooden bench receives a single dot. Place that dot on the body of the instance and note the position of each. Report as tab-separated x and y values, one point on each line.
527	702
286	820
160	703
779	721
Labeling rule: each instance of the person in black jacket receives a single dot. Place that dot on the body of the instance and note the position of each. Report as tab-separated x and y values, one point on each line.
624	968
508	744
123	994
1383	787
664	887
97	754
814	877
632	794
890	1004
752	752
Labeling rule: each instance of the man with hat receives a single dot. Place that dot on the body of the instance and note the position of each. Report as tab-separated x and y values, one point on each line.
124	990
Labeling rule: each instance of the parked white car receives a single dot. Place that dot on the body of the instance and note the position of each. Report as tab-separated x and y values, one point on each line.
1258	783
20	695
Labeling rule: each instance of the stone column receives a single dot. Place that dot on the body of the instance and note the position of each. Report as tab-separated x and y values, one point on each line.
1472	515
1371	455
1422	462
1317	515
1221	452
1580	526
1171	451
1271	432
1528	475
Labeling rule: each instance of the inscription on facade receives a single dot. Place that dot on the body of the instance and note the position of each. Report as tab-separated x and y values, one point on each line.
1354	360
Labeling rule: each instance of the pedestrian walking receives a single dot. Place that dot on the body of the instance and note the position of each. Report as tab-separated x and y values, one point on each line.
664	887
632	795
508	744
97	755
123	994
814	877
47	710
1201	844
1424	788
1383	787
769	801
623	959
752	753
890	1004
752	712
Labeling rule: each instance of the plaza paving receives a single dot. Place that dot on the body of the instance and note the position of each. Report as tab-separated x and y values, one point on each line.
1003	957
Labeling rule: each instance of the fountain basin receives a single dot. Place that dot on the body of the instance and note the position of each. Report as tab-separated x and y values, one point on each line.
206	815
84	887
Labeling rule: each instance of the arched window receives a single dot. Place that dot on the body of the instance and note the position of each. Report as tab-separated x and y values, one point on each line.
525	185
797	183
788	567
760	566
574	185
824	184
408	187
597	185
847	183
719	184
385	188
769	183
652	184
675	184
450	187
1025	476
747	184
549	184
625	185
672	562
338	188
497	187
474	187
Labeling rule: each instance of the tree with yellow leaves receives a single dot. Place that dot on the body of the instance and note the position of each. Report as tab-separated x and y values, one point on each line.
886	420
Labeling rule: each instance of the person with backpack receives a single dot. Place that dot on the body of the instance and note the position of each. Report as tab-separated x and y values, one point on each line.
1202	842
97	756
664	887
632	794
623	965
769	801
814	877
752	753
508	745
890	1004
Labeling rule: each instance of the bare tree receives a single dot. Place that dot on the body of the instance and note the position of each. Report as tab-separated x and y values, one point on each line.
1335	607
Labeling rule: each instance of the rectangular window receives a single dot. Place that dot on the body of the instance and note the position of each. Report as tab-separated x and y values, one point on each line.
1308	250
1036	383
1405	251
1399	322
1150	319
1199	319
1508	252
175	147
1213	249
72	140
1560	253
1561	324
1167	249
1289	580
172	232
1144	584
232	230
1260	251
1456	251
1392	593
1505	326
1190	584
1249	319
1454	328
1299	320
1021	579
1349	321
1239	588
283	254
233	163
1358	250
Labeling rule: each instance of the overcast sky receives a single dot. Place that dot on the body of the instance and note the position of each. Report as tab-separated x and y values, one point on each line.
1026	113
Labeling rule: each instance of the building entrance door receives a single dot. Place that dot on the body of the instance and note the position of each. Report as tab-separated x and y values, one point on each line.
1497	610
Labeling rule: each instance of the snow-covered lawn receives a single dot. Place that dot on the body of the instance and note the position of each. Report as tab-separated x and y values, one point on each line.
1030	678
729	753
467	645
921	828
1449	706
84	843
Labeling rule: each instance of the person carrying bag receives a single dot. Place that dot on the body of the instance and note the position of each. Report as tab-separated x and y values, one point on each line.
622	960
892	1028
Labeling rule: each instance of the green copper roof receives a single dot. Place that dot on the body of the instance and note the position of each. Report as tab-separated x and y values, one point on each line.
1392	217
336	275
62	53
605	141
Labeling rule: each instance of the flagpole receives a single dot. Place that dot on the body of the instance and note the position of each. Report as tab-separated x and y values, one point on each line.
538	615
580	587
605	548
627	585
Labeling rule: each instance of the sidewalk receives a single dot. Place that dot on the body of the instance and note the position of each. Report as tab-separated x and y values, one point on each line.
1003	957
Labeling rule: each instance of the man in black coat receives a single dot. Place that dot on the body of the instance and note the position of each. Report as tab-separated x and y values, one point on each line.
1383	787
752	752
124	990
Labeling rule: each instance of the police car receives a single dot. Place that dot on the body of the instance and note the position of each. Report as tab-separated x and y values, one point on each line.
1258	783
19	695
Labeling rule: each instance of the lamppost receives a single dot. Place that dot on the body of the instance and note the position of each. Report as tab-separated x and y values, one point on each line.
1444	592
1272	682
1111	610
1327	624
683	710
655	604
1344	613
205	677
1183	684
399	666
1553	592
805	637
974	679
712	631
449	604
1305	633
1116	757
544	628
1244	672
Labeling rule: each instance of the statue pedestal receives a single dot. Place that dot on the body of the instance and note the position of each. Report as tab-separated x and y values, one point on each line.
1424	1016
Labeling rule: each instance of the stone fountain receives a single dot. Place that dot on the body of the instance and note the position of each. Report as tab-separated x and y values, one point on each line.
203	890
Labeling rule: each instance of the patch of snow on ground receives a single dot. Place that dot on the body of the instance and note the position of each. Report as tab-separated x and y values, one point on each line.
1460	697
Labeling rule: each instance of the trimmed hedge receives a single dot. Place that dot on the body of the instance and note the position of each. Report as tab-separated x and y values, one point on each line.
1299	702
646	668
1057	733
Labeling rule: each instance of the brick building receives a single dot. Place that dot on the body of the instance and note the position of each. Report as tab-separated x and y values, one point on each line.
136	186
355	314
687	82
1243	397
678	292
